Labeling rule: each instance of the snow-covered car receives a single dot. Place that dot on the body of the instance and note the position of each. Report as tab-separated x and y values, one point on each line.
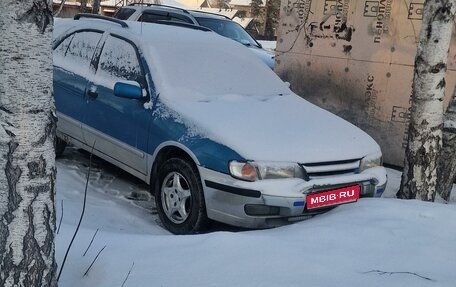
220	24
214	131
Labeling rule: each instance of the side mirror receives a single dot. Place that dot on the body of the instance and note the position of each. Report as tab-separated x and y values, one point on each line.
128	90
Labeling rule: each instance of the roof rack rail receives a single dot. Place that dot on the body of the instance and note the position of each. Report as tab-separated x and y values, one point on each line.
182	24
95	16
159	5
211	13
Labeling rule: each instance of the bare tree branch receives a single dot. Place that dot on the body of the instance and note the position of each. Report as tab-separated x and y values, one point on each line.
90	242
128	274
380	272
61	217
82	214
60	8
95	259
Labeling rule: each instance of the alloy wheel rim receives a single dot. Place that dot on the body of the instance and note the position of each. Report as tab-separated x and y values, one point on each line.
176	197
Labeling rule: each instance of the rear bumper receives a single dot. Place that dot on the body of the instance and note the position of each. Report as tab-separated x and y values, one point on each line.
269	203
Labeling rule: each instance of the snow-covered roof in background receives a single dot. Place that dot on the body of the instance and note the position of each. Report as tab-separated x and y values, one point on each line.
243	3
225	12
191	3
244	22
70	3
173	3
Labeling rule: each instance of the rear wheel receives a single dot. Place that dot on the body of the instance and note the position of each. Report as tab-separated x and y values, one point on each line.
59	146
179	198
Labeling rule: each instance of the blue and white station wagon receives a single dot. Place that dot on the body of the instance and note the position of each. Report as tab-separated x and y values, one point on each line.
213	131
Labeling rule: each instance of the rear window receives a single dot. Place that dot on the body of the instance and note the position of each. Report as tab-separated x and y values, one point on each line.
155	16
124	13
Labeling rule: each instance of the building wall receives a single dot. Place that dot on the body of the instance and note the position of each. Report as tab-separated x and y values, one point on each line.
355	58
68	10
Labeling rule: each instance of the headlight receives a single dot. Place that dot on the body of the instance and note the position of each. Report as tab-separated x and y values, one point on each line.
252	171
243	170
371	160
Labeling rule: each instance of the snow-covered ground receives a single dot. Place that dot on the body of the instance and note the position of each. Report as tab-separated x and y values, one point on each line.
353	245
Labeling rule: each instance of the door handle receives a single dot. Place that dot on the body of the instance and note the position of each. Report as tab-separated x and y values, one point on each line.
92	92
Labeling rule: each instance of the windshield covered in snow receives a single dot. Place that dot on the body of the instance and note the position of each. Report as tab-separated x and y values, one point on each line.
203	64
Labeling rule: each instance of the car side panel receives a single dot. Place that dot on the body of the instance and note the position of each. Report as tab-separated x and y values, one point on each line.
118	127
168	126
69	101
72	59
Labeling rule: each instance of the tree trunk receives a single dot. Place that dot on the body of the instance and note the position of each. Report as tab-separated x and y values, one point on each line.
83	6
62	4
272	18
447	166
419	178
27	131
96	6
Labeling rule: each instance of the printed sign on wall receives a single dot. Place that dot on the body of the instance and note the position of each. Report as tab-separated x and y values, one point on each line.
355	58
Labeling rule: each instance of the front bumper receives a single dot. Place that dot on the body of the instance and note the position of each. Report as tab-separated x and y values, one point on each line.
275	202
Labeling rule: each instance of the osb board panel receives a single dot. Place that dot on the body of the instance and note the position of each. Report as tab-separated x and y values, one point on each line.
355	58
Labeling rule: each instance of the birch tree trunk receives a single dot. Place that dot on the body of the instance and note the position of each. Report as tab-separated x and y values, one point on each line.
27	131
419	178
447	166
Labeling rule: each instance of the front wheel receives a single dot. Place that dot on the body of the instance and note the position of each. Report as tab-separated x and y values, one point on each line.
180	199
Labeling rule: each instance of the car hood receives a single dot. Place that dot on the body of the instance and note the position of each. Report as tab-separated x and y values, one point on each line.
275	128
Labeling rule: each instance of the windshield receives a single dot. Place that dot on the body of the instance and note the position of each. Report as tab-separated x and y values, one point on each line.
228	29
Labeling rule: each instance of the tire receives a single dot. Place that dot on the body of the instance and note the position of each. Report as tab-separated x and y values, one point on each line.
179	198
59	146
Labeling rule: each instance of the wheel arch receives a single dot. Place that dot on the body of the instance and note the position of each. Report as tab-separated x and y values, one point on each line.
164	152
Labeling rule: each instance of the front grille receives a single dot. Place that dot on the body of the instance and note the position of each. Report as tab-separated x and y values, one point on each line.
330	169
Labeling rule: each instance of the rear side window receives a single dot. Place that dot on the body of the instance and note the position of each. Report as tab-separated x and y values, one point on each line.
119	61
62	48
163	16
82	47
76	50
124	13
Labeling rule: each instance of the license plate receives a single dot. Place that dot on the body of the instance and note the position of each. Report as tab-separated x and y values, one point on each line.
333	197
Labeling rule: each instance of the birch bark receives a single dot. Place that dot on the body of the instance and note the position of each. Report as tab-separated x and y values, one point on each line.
419	178
27	131
447	166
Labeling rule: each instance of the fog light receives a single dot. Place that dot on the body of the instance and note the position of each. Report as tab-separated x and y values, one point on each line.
258	209
367	190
